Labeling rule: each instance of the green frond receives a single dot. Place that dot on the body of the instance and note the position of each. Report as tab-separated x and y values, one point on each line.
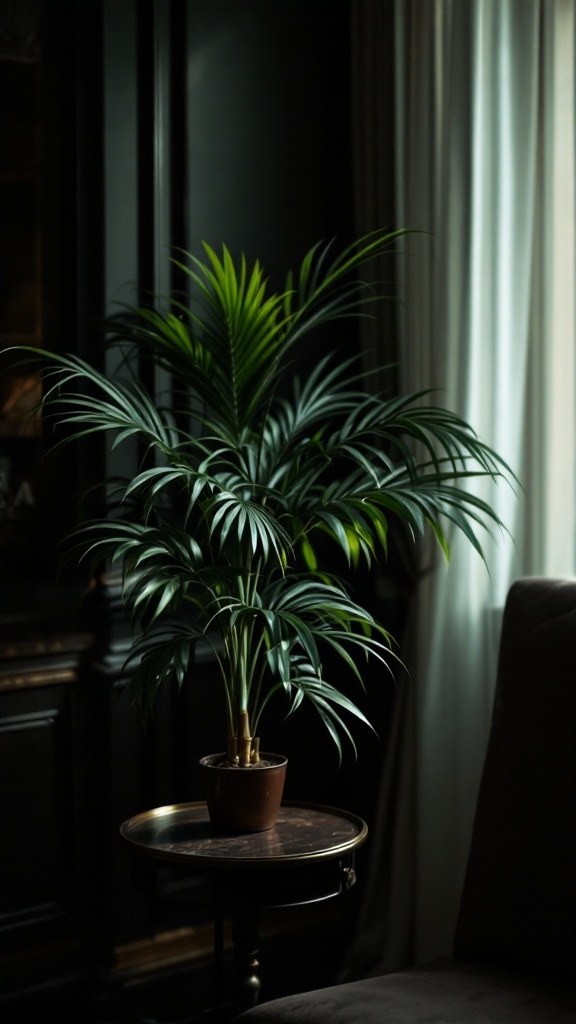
254	476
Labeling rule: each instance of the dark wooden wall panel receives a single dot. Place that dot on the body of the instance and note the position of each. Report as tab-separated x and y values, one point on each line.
36	801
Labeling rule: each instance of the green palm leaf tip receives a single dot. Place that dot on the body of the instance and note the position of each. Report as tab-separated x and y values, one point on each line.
255	476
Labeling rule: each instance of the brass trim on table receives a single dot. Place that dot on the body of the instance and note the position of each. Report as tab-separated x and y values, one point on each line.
238	860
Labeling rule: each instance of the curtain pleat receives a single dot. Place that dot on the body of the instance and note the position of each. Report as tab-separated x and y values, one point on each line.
484	164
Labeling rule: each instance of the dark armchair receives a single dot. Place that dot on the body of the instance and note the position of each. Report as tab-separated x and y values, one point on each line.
514	951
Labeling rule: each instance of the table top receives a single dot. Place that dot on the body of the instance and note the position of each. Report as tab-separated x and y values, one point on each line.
302	833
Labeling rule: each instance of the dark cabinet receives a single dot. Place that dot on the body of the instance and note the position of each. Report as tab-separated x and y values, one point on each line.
36	810
127	128
40	924
75	761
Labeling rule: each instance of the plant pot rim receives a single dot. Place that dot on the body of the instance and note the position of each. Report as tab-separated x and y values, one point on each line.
215	761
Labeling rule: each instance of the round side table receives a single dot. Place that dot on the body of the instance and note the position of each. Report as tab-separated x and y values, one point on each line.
308	856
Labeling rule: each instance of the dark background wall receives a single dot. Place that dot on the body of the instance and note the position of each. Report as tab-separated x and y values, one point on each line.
269	148
138	126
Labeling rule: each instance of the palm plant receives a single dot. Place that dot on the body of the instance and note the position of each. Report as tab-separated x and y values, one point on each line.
250	475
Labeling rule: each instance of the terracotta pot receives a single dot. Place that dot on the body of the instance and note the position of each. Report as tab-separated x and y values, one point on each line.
243	799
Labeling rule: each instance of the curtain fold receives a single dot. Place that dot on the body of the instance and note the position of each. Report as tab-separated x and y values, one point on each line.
484	146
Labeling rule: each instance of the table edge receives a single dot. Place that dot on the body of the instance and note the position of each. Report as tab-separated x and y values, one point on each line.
206	860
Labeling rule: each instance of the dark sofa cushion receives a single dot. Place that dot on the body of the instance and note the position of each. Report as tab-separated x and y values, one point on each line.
443	993
518	902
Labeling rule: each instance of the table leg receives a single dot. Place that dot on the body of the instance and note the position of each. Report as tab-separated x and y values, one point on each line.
218	956
246	941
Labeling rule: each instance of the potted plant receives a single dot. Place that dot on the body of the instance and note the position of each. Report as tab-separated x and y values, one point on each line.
252	478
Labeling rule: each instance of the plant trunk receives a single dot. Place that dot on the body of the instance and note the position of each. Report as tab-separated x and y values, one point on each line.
244	740
243	750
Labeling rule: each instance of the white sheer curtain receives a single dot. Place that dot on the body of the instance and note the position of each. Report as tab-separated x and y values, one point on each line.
484	149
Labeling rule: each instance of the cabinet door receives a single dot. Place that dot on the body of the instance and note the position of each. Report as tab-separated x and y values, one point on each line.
36	810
